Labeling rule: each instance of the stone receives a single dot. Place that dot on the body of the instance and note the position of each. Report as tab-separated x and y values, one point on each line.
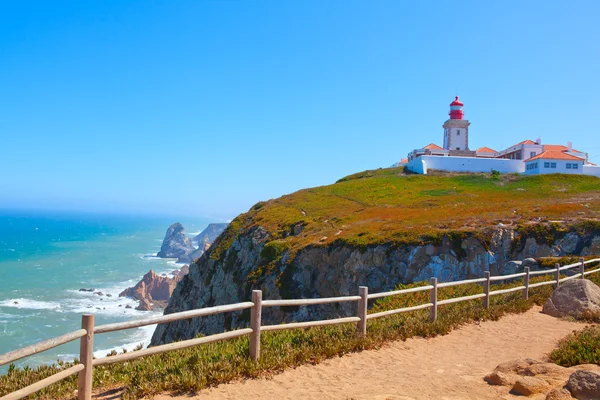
176	244
584	385
128	306
108	295
86	290
516	366
549	372
144	305
528	385
529	262
498	378
573	298
511	267
151	287
559	393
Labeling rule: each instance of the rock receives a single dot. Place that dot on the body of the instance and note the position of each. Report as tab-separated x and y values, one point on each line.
549	372
498	378
297	229
573	298
15	302
516	366
86	290
584	385
120	305
559	393
512	267
179	274
210	234
528	385
330	269
128	306
529	262
144	305
176	244
151	287
108	295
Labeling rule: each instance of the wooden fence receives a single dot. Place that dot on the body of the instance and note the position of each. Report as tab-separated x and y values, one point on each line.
87	331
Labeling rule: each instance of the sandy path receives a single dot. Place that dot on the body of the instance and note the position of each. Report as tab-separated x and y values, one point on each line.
442	368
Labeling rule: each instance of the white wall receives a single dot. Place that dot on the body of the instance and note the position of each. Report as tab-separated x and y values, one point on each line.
458	140
561	167
591	170
465	164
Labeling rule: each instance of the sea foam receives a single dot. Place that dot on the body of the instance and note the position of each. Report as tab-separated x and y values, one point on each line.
29	304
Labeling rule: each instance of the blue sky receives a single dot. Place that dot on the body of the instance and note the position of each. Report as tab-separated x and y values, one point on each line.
206	107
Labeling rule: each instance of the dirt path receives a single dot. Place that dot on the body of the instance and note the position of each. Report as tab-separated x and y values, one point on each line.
442	368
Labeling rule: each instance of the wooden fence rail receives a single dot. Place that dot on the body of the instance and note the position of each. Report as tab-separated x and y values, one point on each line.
87	331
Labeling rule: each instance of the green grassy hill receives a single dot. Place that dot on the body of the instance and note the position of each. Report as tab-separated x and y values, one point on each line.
388	206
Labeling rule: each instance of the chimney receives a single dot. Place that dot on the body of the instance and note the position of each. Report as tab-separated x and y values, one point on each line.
569	146
538	140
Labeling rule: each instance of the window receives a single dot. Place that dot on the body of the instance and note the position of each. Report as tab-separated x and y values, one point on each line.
546	165
575	166
531	154
458	132
553	165
458	148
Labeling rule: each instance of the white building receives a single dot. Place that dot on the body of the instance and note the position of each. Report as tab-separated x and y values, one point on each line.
526	157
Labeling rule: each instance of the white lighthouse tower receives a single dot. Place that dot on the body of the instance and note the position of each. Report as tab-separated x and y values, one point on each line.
456	129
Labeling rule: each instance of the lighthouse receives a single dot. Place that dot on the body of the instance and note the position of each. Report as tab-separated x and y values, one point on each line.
456	129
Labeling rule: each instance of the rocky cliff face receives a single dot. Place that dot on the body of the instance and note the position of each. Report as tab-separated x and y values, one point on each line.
209	234
176	244
251	262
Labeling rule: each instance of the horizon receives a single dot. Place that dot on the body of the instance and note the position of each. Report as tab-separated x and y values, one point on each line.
204	109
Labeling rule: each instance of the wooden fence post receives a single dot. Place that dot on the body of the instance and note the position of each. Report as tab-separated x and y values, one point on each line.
582	267
486	289
86	357
433	301
526	284
363	303
255	320
557	276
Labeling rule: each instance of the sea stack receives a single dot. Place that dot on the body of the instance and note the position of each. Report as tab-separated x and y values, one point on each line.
176	244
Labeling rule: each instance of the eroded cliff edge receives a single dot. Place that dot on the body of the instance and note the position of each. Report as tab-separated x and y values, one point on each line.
293	247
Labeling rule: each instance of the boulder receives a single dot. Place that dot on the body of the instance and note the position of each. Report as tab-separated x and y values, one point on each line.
559	393
584	385
176	244
151	287
529	262
86	290
498	378
528	385
573	298
144	305
516	366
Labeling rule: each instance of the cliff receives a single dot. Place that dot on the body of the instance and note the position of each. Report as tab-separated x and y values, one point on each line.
379	229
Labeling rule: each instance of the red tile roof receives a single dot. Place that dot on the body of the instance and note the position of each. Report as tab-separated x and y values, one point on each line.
555	155
404	161
524	142
485	150
558	147
432	146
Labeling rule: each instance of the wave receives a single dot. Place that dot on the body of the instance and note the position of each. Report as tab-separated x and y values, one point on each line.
141	336
30	304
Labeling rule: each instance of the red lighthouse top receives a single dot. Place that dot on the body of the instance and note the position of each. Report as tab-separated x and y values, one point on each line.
456	111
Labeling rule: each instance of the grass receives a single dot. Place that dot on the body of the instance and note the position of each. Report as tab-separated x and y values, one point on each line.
196	368
389	206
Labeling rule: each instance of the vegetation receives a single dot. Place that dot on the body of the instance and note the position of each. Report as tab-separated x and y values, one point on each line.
581	347
390	206
206	365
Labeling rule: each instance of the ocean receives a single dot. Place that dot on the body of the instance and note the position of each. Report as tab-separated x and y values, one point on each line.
45	258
